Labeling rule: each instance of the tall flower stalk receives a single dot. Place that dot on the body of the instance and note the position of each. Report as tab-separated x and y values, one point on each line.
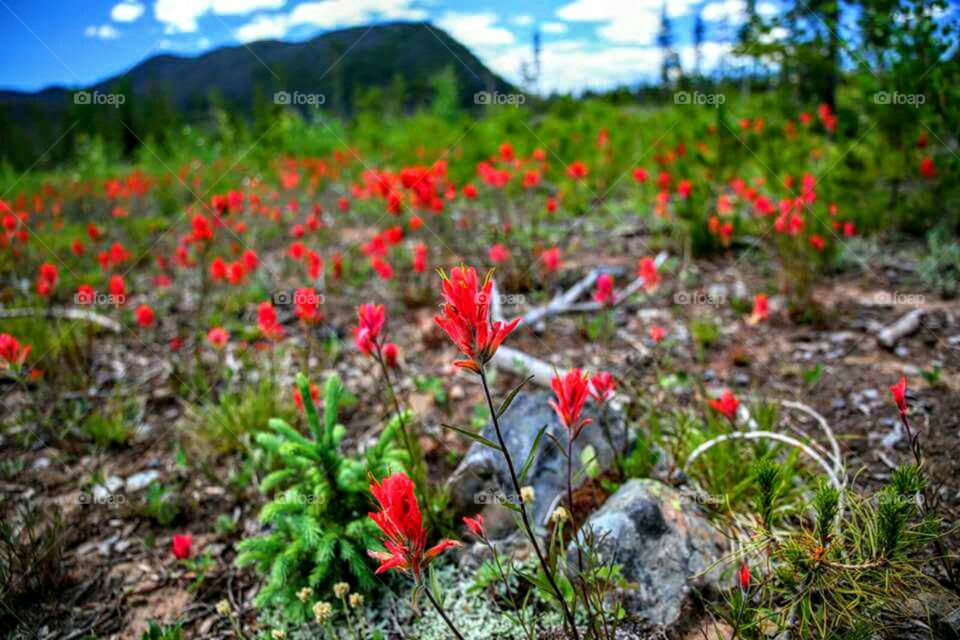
466	320
368	338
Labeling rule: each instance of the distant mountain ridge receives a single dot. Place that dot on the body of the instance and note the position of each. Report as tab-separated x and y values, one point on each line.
339	65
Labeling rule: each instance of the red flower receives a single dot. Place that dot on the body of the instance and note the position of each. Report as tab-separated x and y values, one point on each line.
604	293
370	321
498	253
647	269
577	170
551	259
743	576
927	169
571	393
899	392
202	230
400	521
601	386
12	354
218	269
117	288
684	187
640	175
761	308
182	546
218	337
420	258
306	300
267	321
145	315
726	404
657	333
466	317
475	525
551	205
390	354
298	397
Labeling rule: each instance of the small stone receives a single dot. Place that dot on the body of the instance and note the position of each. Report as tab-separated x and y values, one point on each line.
108	487
457	392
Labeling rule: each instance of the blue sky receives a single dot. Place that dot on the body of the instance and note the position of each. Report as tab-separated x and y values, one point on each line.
586	43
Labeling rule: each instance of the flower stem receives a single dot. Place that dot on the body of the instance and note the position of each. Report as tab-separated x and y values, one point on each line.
525	518
443	614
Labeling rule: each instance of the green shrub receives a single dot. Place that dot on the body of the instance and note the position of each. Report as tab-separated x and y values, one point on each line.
318	530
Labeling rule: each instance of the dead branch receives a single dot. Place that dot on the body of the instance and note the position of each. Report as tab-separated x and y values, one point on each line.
65	314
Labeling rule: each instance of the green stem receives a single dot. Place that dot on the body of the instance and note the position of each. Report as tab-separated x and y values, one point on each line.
525	518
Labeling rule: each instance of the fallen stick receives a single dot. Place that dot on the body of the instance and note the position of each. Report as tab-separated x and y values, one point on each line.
825	427
65	314
765	435
903	327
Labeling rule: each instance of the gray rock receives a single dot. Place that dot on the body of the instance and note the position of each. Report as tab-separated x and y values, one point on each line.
662	544
482	479
109	486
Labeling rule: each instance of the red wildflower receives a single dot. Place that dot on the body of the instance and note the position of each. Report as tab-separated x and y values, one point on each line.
551	205
604	293
145	315
475	525
390	354
12	354
927	169
182	546
466	317
761	308
400	521
647	269
267	321
571	393
743	576
640	175
498	253
298	397
602	385
577	170
117	288
726	404
551	259
420	258
202	231
306	300
370	321
657	333
218	337
899	392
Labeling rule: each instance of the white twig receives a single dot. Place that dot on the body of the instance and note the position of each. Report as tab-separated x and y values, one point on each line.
765	435
825	426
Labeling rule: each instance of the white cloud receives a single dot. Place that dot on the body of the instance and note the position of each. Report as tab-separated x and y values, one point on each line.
626	21
127	11
243	7
103	32
522	20
263	28
327	14
554	27
180	16
475	30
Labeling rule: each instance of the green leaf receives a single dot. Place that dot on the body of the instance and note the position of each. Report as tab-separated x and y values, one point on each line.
474	436
532	454
513	394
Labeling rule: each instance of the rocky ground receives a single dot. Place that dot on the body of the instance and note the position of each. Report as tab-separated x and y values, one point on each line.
120	574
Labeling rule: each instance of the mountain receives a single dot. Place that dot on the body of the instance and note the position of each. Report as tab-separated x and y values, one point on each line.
339	65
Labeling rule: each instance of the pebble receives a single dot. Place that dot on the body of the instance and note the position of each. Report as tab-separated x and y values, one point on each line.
108	487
